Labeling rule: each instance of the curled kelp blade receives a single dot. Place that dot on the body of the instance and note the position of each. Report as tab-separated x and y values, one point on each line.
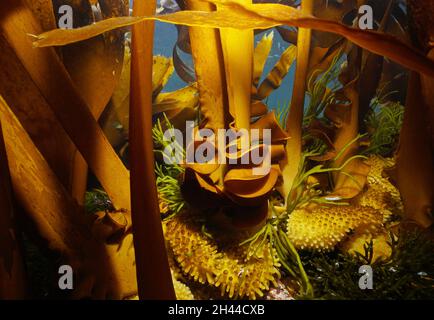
258	109
260	56
204	168
277	74
161	72
276	151
269	121
115	120
207	183
187	97
257	16
243	183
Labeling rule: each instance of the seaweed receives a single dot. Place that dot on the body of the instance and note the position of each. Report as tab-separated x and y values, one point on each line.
168	185
273	232
408	274
321	90
282	111
384	125
97	200
169	191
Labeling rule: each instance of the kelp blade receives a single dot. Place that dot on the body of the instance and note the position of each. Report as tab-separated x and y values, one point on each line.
257	16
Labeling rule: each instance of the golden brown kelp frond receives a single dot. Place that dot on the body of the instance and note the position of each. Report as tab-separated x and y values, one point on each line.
240	183
209	66
47	206
35	114
294	121
105	270
414	160
238	50
274	79
236	183
258	16
12	273
371	73
54	83
94	65
162	69
226	267
260	56
178	106
153	274
343	114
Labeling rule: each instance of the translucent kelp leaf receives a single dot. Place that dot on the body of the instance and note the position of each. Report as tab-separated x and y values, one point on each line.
187	97
278	73
161	72
257	16
261	54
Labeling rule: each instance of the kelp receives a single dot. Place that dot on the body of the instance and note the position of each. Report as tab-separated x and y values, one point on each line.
93	65
40	122
256	16
239	70
260	54
178	106
372	68
384	125
339	198
153	275
43	10
414	169
414	165
106	270
262	9
274	79
12	273
234	109
343	113
294	121
50	77
209	65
